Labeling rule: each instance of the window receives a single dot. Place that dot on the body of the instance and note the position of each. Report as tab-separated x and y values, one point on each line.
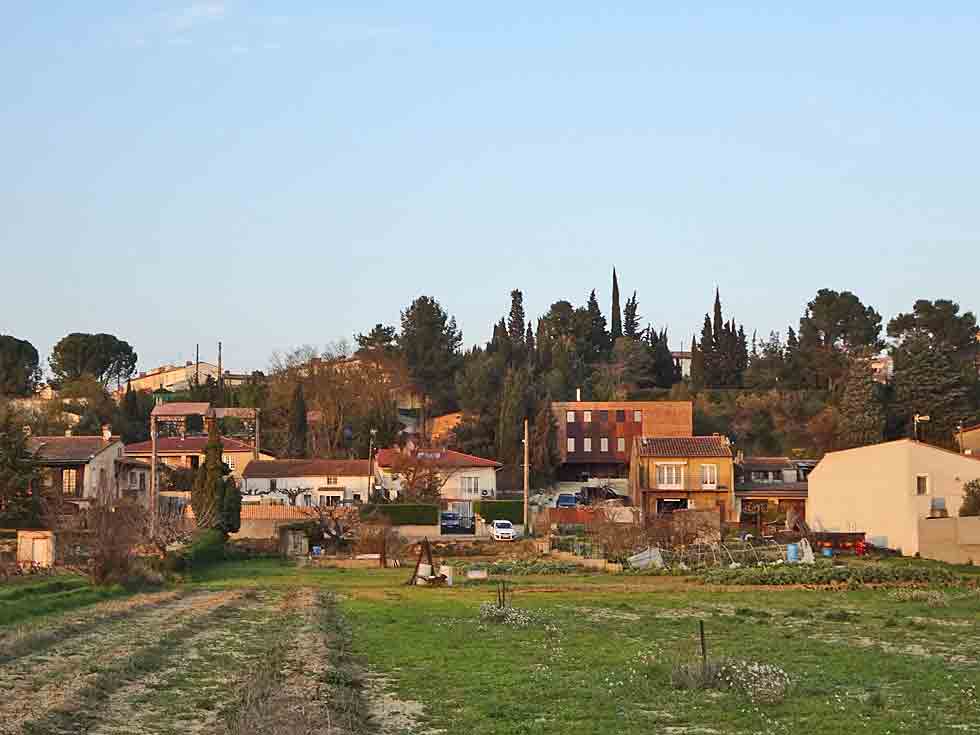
229	459
570	417
603	415
195	462
621	444
637	417
132	479
620	416
571	444
922	484
142	481
273	485
327	501
470	485
586	445
587	417
709	475
69	478
331	480
308	500
604	444
670	475
357	497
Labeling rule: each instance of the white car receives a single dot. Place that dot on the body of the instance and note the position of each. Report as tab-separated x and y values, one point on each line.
502	531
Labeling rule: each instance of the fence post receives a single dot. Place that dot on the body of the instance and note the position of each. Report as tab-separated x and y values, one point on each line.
704	650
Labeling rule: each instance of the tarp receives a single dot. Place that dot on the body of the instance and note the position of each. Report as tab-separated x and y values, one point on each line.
650	557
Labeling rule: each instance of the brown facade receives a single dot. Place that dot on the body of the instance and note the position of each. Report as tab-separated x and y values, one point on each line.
596	437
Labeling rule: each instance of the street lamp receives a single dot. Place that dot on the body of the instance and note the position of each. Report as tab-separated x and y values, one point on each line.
916	420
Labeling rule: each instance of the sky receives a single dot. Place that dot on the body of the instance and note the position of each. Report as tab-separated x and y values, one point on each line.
272	174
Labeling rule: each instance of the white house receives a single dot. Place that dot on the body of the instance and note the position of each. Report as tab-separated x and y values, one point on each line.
307	481
885	489
465	477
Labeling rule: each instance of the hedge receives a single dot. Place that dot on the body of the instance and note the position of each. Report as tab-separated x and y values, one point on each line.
821	573
500	510
402	514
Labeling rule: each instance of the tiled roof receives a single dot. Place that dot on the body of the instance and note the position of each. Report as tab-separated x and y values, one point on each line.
684	446
307	468
268	512
193	444
768	463
441	457
178	408
67	448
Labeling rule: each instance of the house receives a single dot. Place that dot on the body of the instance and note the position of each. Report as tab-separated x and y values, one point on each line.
441	428
882	368
188	451
307	482
765	483
464	477
182	377
595	438
669	473
683	358
968	439
885	489
82	468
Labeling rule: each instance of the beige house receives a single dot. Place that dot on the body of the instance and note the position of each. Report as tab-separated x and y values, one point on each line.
465	477
968	439
307	482
885	489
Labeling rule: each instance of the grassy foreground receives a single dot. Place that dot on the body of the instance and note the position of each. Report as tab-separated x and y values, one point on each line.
588	654
597	654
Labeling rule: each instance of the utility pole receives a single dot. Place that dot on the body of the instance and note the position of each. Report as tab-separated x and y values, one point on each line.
221	375
153	476
525	479
258	433
197	364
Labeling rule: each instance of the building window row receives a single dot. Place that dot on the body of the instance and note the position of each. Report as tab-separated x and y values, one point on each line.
570	416
603	444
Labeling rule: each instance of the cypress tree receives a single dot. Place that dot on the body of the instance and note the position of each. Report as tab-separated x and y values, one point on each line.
529	339
697	366
631	319
861	418
207	492
515	320
709	355
598	336
296	441
616	323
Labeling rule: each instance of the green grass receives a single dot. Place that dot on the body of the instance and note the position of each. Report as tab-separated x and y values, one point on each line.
33	600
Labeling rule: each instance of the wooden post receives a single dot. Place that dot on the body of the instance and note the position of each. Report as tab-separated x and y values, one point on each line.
704	649
526	529
153	477
258	434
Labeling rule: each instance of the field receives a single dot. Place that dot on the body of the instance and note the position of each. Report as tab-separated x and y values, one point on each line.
259	646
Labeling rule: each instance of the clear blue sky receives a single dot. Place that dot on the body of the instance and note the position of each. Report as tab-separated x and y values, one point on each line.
272	173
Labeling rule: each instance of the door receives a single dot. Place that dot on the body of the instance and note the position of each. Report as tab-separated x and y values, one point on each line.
669	505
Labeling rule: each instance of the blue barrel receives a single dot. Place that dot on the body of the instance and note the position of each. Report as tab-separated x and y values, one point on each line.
828	552
792	552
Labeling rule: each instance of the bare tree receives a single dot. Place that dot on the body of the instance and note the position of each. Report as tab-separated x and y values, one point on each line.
422	475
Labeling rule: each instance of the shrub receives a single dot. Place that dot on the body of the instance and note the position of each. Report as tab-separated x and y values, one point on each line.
971	499
761	683
522	567
933	598
207	548
401	514
491	612
824	573
500	510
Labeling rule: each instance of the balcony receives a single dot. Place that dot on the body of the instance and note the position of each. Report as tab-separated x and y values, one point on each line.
687	485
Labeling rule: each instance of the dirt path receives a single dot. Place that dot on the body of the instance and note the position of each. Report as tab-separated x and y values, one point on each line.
37	684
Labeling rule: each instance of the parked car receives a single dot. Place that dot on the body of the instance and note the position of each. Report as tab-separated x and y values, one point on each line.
502	531
566	500
449	520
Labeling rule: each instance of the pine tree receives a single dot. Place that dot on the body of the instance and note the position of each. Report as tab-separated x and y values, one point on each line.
861	418
515	321
616	320
17	472
928	381
631	319
663	361
296	441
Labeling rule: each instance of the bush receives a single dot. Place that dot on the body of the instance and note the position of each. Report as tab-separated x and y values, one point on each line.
522	567
824	573
401	514
500	510
207	548
932	598
491	612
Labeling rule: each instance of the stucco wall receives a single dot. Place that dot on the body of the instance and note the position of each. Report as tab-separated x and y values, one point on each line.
104	464
873	489
452	490
258	488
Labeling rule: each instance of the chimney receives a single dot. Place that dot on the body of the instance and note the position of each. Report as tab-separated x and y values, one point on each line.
578	394
106	432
